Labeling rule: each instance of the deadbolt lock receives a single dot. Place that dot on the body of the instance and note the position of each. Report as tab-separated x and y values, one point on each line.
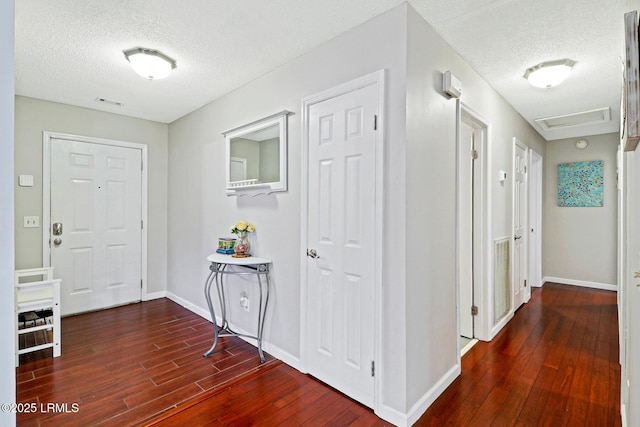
56	229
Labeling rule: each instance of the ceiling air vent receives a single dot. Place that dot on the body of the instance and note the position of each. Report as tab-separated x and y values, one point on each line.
601	115
110	102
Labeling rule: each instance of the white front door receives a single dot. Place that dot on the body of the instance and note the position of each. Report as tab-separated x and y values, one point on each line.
341	230
521	292
96	221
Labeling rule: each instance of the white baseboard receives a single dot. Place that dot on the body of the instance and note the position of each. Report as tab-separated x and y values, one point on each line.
392	416
189	306
427	400
583	283
154	295
405	420
273	350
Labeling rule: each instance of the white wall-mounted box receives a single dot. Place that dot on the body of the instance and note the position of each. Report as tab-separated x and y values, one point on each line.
451	85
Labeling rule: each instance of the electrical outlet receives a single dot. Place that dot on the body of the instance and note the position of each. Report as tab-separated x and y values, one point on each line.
244	301
31	221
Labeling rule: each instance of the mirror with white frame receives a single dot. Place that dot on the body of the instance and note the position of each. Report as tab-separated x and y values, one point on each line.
256	156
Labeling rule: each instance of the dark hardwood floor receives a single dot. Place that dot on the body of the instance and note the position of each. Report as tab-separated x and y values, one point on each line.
555	364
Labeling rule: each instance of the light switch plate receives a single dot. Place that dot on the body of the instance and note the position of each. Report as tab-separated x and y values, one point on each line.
31	221
25	180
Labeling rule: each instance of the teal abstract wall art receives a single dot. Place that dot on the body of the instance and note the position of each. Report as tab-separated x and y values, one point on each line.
581	183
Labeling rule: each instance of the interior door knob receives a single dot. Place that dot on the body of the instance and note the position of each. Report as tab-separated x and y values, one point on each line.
312	253
57	242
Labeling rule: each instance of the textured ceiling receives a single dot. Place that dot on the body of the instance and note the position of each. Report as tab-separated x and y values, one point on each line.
502	38
70	51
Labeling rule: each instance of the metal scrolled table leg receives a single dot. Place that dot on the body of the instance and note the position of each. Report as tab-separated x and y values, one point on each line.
207	294
217	274
262	310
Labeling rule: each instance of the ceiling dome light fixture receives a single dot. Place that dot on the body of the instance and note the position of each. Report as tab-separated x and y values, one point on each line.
581	144
548	74
149	63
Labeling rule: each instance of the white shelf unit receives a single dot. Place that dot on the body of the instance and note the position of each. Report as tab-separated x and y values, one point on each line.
33	297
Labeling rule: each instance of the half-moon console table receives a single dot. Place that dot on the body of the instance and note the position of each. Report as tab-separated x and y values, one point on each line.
241	266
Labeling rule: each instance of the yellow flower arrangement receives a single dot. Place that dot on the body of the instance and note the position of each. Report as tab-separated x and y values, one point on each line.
243	227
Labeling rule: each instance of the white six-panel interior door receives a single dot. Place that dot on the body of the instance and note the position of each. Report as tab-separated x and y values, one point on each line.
339	307
95	226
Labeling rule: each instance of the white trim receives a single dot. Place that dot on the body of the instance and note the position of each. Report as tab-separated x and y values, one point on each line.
154	295
202	312
482	290
464	350
46	195
501	324
583	283
417	410
273	350
379	79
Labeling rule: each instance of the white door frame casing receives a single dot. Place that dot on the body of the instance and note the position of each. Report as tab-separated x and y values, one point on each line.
46	194
482	225
377	79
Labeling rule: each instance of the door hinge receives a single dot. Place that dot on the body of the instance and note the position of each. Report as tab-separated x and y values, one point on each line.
141	165
375	122
525	283
474	154
373	368
140	283
141	225
474	310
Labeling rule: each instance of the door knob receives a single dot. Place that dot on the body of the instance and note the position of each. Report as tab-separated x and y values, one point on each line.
312	253
517	237
57	242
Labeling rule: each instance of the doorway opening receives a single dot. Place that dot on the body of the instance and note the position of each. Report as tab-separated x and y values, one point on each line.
472	216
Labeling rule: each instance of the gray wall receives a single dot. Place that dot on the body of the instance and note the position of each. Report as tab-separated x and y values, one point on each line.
270	160
579	243
34	116
7	317
200	212
249	150
431	195
419	324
